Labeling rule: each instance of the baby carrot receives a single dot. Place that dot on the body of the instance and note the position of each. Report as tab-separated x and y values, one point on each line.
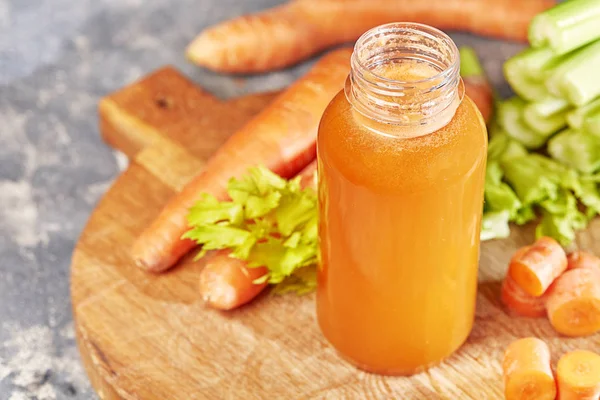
573	302
582	259
578	376
282	138
284	35
527	371
227	283
537	268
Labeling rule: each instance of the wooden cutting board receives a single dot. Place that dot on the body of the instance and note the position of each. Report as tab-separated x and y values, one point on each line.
144	336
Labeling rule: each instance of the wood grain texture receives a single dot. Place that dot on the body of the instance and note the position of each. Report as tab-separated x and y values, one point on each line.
145	336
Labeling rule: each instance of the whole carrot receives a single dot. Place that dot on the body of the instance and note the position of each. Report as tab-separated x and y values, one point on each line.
282	138
284	35
227	283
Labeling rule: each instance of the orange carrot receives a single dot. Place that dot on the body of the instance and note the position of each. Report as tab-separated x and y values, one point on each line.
573	302
520	302
480	91
227	283
516	299
583	259
282	138
578	376
537	268
527	371
476	84
284	35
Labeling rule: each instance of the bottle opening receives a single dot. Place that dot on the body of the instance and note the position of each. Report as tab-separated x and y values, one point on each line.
405	75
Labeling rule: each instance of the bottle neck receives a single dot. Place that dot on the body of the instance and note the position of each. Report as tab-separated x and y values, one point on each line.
405	79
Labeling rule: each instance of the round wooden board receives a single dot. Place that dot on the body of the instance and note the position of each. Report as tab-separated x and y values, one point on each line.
145	336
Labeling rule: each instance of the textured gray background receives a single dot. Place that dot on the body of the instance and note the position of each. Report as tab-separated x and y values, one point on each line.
57	58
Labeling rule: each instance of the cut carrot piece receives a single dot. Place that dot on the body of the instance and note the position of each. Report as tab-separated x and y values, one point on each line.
519	253
516	299
227	282
535	270
578	376
573	302
527	371
282	138
583	259
519	301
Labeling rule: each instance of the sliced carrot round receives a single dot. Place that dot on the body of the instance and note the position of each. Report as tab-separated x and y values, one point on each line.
578	375
573	303
535	269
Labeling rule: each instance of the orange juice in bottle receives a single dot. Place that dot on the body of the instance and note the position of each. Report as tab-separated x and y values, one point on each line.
402	156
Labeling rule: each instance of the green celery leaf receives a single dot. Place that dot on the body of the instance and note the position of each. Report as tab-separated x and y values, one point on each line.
589	196
498	195
208	210
302	281
561	218
310	232
494	225
260	206
214	237
269	254
295	210
576	149
240	189
524	215
561	227
502	148
529	179
266	180
243	250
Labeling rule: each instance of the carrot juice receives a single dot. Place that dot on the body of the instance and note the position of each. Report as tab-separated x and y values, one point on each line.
402	156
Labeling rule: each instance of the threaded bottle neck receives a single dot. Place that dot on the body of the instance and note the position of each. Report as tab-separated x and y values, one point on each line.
405	77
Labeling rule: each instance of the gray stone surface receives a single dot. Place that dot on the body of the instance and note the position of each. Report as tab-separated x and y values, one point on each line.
57	58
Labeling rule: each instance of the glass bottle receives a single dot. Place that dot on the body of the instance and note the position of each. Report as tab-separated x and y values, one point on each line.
402	156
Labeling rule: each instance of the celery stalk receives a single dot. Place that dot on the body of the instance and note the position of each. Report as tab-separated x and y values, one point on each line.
576	78
469	63
549	106
591	123
524	72
576	117
532	62
511	118
546	116
576	149
566	26
525	87
545	126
